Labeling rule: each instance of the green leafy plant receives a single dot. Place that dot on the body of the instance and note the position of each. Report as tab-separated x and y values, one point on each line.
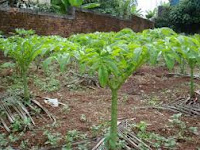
48	84
24	51
8	65
63	6
70	137
24	33
119	8
156	140
188	48
19	125
183	17
136	11
183	129
151	14
52	138
194	130
114	65
99	129
3	140
175	121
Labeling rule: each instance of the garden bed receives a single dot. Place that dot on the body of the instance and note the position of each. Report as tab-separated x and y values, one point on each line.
87	109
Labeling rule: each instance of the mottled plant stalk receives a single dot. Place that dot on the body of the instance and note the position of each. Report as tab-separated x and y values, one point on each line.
113	131
192	81
182	66
25	84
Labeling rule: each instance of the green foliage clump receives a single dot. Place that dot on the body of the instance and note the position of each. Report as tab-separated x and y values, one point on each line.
150	14
119	8
64	6
184	17
113	57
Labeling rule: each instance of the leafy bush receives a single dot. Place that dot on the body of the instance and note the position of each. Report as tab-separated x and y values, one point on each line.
163	19
184	17
120	8
151	14
63	6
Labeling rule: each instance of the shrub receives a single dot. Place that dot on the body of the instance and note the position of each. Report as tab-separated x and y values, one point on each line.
184	17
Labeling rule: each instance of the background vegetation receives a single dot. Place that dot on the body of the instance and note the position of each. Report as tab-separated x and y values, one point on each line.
184	17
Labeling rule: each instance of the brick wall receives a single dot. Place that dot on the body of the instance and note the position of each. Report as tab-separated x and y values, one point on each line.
81	22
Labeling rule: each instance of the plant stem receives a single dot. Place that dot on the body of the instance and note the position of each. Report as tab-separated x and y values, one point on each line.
191	82
182	66
25	84
113	130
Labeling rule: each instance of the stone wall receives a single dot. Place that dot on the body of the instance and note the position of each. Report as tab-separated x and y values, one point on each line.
81	22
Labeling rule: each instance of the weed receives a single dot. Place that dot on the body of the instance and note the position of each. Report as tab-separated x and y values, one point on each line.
3	140
75	135
156	140
175	122
13	138
83	146
71	136
8	65
49	84
52	138
99	129
19	124
24	144
194	130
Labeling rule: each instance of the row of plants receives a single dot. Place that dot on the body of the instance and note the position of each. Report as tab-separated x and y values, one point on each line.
113	57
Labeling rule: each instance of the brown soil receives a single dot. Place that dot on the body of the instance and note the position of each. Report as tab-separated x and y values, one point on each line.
149	85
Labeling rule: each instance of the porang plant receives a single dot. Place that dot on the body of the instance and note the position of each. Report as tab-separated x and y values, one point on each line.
174	48
24	51
189	49
179	49
114	63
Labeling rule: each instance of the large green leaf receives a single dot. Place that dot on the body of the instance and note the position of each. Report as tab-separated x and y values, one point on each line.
169	61
103	75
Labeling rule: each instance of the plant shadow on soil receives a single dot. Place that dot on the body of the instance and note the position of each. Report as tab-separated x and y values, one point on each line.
91	107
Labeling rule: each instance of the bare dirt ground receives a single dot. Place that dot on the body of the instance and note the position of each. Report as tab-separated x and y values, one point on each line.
148	86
